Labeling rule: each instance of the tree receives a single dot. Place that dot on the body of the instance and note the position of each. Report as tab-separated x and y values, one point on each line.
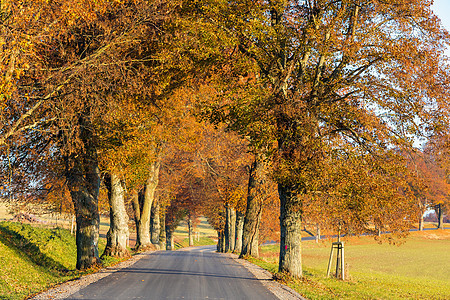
437	150
418	182
155	223
253	213
142	204
224	160
431	186
69	64
117	236
330	76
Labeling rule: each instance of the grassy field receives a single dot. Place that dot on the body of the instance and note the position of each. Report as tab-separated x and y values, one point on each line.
418	269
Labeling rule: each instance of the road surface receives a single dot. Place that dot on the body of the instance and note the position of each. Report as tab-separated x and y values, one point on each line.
191	273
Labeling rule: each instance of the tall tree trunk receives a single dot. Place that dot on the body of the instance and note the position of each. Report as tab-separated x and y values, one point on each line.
137	212
83	179
220	241
250	235
440	216
290	226
162	233
422	212
169	238
142	206
230	228
155	227
421	222
239	230
117	236
190	230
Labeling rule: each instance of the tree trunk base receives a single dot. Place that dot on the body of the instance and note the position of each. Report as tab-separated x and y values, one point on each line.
147	247
118	252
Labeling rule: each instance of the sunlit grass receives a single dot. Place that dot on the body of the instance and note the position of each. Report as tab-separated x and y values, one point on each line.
203	241
203	227
203	234
418	269
33	259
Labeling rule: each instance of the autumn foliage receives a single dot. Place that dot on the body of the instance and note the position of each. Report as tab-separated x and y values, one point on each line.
179	101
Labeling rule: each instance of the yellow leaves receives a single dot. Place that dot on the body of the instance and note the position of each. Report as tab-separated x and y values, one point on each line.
237	197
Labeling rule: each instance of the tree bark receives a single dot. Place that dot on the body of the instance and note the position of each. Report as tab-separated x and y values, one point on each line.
137	211
155	227
83	178
421	222
239	230
117	236
440	216
221	241
162	233
142	207
230	228
290	238
250	235
169	238
190	230
218	242
422	212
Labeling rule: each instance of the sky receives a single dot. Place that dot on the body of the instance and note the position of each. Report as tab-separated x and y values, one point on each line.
442	9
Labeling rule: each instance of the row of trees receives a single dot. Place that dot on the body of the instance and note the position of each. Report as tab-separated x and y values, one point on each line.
321	99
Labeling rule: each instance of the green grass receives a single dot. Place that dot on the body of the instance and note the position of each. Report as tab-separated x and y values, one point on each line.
33	259
206	232
202	227
417	269
204	241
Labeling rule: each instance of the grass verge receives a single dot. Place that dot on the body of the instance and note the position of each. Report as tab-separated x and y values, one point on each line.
33	259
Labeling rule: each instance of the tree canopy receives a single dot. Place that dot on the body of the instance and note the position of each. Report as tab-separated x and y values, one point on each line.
327	95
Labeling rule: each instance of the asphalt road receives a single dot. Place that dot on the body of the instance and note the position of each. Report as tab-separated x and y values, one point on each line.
192	273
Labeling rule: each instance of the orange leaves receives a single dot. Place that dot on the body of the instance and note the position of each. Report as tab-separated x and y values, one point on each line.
359	192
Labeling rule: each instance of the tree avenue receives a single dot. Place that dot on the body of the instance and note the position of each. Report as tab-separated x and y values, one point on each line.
335	81
321	98
70	63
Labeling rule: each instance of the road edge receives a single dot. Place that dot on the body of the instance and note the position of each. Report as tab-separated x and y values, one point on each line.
279	290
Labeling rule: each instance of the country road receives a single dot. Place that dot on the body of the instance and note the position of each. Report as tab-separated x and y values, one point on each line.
191	273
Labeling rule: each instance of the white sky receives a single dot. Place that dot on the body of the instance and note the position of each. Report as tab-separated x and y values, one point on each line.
442	9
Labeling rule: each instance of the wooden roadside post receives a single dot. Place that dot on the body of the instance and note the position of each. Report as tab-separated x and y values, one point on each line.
339	246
